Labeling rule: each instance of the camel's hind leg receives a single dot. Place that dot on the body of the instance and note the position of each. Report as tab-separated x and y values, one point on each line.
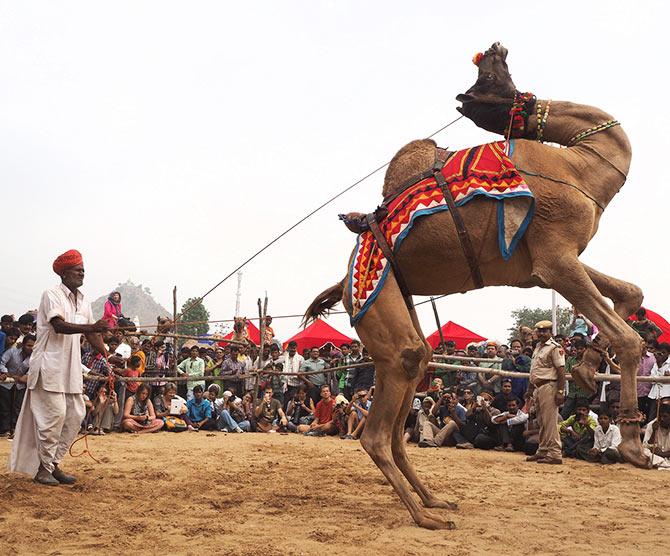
428	499
627	297
388	333
568	277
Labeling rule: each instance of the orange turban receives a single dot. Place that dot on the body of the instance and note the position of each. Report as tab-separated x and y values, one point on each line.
67	260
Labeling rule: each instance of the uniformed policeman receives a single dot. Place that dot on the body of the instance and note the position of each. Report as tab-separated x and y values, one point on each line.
547	381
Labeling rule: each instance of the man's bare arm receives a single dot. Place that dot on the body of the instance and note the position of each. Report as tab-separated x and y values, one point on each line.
62	327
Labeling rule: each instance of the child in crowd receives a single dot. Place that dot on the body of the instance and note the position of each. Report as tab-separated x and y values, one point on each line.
606	440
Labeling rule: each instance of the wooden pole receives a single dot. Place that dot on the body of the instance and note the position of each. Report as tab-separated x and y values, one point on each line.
261	328
437	320
176	330
188	337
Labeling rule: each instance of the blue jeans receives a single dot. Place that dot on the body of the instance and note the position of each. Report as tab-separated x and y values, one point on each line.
226	421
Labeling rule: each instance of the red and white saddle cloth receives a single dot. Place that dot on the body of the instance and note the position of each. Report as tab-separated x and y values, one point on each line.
484	170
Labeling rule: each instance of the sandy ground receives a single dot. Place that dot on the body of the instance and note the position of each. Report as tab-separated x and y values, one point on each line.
195	493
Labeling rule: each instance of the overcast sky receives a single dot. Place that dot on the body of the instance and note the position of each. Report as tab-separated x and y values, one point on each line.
167	141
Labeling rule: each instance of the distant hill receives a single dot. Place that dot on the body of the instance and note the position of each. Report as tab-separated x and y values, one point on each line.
136	301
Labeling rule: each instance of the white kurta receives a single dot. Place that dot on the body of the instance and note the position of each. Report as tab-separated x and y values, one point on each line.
53	407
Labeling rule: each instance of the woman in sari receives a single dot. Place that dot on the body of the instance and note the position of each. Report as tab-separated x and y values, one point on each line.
112	311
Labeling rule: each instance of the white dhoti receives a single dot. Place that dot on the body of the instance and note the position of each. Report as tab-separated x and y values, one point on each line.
47	426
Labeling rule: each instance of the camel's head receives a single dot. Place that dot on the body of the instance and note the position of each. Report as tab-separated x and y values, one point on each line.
240	324
489	101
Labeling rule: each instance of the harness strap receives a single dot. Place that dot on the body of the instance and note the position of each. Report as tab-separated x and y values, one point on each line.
463	236
388	253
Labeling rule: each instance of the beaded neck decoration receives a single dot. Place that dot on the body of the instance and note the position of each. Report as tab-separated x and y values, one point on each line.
518	114
542	119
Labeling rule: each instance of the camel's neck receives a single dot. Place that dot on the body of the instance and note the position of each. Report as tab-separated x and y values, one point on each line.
602	158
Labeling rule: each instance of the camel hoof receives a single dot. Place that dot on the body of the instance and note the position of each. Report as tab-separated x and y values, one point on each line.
444	504
631	449
434	522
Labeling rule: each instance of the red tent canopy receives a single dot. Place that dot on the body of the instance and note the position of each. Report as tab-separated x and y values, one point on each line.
459	334
659	321
254	334
318	334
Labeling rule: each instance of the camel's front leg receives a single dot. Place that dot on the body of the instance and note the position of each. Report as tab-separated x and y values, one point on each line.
569	277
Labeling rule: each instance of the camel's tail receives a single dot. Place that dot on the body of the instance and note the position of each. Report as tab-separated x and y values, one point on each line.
324	302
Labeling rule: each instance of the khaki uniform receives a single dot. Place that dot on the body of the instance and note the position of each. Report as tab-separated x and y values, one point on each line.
547	359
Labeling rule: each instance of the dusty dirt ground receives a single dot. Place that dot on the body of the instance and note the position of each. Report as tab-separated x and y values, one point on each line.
195	493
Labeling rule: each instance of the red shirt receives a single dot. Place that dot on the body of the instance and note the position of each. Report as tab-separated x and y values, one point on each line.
324	411
132	386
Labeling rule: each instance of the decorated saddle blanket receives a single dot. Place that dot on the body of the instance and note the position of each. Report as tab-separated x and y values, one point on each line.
484	170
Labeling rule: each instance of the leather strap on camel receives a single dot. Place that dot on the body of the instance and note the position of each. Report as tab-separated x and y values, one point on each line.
388	253
463	236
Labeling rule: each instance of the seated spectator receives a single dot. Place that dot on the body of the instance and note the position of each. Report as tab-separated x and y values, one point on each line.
410	422
479	431
423	419
436	389
199	411
300	410
451	417
501	400
358	414
269	413
657	438
659	390
577	432
163	402
531	435
511	426
106	406
233	418
132	371
138	413
249	410
322	424
606	440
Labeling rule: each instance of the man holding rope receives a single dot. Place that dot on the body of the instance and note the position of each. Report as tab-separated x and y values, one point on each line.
53	408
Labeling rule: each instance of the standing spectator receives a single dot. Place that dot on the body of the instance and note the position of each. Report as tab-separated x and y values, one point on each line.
6	324
341	374
14	364
231	371
138	413
25	325
547	382
575	392
647	366
269	331
269	413
486	380
580	324
200	411
193	367
316	365
659	390
248	365
355	356
606	440
112	312
517	362
292	362
323	416
643	326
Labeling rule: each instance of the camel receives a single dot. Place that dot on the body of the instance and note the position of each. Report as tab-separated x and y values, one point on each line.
240	330
572	186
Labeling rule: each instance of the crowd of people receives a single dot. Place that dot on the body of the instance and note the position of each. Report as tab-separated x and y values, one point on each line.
329	390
